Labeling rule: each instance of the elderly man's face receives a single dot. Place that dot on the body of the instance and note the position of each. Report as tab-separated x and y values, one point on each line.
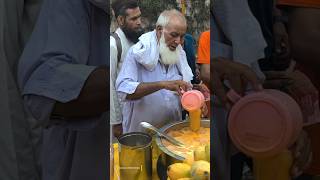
132	24
171	36
174	33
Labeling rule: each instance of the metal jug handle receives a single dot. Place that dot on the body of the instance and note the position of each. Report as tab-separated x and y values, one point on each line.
131	168
137	147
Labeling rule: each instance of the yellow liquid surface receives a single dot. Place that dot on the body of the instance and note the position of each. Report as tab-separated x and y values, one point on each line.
191	139
116	171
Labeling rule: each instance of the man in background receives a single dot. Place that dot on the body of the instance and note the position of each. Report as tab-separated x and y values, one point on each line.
128	16
154	73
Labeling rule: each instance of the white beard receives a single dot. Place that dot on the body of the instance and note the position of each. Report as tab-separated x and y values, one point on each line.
167	56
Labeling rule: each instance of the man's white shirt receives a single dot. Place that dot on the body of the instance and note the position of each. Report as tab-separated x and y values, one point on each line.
115	67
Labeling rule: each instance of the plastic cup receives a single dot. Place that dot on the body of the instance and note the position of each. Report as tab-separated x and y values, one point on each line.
192	100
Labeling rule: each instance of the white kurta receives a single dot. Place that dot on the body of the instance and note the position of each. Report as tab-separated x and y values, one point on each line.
115	66
142	65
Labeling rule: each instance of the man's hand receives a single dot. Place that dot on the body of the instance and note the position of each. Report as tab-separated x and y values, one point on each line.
177	86
144	89
302	155
203	89
237	74
298	86
93	99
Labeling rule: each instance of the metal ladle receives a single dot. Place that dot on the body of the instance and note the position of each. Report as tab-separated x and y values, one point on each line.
169	138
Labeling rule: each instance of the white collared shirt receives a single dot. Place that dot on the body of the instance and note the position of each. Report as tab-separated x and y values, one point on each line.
115	66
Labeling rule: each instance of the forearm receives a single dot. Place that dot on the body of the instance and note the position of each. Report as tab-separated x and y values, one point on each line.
144	89
205	73
92	100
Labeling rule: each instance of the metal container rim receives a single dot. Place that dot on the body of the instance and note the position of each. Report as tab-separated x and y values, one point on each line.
135	133
166	127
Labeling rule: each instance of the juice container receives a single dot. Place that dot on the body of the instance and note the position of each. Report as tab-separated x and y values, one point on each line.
263	125
192	101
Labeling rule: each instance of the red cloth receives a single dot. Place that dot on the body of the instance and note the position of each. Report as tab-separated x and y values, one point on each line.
300	3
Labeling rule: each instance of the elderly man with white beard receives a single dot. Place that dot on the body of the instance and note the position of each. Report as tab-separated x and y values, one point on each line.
154	73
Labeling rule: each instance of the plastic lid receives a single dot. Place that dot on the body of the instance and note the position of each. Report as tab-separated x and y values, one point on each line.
260	125
192	100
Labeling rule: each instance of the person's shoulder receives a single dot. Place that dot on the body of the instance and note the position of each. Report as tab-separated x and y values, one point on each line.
113	42
119	32
182	51
137	46
205	35
188	37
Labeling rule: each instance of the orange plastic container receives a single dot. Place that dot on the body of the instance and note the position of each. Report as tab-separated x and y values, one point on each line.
192	101
265	123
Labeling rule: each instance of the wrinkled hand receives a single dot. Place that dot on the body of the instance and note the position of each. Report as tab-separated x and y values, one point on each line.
304	92
279	79
205	111
297	85
302	155
239	75
206	93
177	86
203	89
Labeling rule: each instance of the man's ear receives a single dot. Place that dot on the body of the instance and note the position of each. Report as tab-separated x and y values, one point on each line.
159	30
120	20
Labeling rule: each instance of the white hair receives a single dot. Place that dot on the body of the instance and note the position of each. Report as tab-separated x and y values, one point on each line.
164	18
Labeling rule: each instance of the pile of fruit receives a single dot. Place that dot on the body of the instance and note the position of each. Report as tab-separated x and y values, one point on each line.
192	169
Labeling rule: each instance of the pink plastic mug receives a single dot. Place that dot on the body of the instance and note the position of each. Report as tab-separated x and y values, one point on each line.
263	124
192	100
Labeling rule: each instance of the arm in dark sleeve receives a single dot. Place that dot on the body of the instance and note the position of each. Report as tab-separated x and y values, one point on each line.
58	62
92	100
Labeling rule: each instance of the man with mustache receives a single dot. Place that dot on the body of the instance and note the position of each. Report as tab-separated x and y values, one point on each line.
128	17
153	74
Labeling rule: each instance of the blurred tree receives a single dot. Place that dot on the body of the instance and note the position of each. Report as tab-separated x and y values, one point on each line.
197	13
